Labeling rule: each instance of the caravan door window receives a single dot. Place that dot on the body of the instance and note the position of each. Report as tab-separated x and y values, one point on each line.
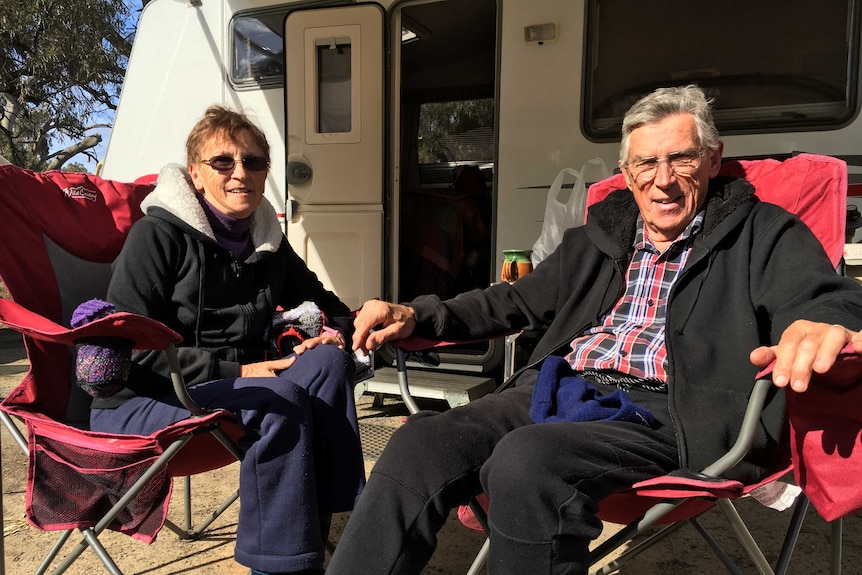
333	85
787	65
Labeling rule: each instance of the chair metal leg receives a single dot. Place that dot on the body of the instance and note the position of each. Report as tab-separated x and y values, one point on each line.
19	439
187	502
481	557
716	548
2	537
193	532
55	550
406	396
100	552
744	536
649	518
14	431
91	539
837	545
614	565
792	535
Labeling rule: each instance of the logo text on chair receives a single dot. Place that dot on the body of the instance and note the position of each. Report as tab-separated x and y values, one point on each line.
80	192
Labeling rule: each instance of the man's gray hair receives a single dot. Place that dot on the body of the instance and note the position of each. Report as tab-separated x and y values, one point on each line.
666	102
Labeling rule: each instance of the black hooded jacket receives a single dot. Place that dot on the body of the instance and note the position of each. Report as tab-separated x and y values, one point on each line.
753	270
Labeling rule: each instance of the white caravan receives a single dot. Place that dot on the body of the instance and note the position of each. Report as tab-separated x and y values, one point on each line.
375	110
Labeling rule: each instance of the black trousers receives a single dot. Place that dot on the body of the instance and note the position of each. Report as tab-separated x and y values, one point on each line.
543	481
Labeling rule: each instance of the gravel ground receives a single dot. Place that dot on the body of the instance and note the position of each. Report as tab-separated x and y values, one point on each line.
682	553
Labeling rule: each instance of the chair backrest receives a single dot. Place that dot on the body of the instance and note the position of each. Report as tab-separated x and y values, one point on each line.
61	232
811	186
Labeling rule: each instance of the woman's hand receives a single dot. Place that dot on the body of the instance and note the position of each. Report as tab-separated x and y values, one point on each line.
312	342
266	368
273	367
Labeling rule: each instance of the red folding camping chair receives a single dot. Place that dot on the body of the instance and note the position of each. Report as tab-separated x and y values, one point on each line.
60	234
814	188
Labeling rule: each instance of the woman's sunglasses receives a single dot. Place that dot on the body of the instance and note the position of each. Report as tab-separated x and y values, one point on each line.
226	163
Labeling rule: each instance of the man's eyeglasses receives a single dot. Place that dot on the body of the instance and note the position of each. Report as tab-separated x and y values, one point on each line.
643	170
226	163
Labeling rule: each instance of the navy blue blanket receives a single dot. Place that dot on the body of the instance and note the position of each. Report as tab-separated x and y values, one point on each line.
561	395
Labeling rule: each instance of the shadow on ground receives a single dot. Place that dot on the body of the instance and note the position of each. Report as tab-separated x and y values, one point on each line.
682	553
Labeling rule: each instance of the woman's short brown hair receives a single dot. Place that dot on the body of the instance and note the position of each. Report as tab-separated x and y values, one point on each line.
221	121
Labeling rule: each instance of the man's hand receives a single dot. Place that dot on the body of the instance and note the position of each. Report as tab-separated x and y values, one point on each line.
805	347
391	321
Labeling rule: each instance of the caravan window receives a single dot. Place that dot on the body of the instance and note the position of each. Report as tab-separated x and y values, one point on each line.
258	49
454	133
774	65
459	131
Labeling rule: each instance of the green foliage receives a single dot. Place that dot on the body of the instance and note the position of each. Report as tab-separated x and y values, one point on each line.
454	131
62	64
75	167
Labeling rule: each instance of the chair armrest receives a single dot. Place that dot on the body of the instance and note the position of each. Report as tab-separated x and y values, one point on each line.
143	332
750	422
417	344
424	344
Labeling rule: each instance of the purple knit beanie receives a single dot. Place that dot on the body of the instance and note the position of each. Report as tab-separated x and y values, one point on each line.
102	365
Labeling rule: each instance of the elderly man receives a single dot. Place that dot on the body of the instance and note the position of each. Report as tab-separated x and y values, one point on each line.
660	309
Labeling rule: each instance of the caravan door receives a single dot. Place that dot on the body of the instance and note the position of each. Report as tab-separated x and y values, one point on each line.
335	145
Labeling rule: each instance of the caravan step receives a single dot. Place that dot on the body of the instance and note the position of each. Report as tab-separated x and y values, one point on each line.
456	389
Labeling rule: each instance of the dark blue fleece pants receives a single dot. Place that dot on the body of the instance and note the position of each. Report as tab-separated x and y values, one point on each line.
303	456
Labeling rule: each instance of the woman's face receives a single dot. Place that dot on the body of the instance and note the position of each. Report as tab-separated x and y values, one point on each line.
238	191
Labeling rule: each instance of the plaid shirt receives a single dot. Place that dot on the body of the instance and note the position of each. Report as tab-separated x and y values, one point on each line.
631	337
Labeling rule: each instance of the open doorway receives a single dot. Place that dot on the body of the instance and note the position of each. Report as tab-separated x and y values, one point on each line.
447	147
444	195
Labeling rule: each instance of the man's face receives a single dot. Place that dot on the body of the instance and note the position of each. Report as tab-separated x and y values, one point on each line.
668	197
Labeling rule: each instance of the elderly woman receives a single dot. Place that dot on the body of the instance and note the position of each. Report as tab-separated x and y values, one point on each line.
209	259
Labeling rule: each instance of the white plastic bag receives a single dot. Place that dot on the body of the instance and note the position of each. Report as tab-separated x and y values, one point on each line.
562	215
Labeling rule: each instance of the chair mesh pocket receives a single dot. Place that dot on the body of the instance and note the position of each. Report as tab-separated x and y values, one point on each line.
74	486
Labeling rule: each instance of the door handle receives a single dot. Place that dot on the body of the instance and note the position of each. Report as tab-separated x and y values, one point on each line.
291	210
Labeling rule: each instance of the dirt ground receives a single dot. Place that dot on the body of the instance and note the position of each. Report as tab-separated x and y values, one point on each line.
683	552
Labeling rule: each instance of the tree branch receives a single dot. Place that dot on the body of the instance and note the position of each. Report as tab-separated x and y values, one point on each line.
57	159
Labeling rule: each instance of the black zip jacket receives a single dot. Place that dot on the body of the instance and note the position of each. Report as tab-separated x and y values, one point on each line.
753	270
173	270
